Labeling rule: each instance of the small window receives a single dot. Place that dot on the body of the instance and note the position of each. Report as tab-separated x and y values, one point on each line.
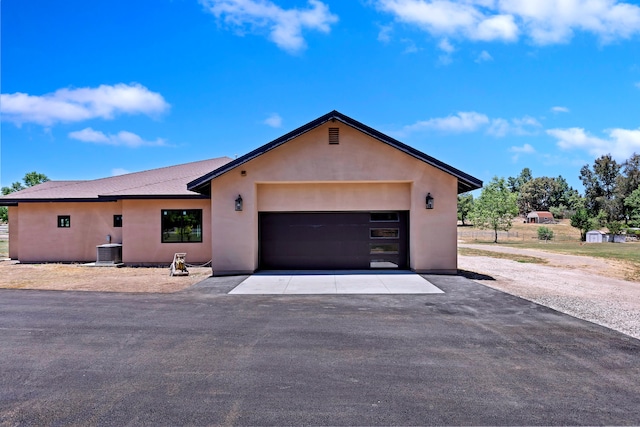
384	217
384	248
117	220
384	233
64	221
181	225
334	135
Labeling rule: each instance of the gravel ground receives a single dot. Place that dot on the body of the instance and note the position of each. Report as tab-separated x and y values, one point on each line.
569	285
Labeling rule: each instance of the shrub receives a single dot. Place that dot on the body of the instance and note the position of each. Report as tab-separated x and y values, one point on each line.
545	233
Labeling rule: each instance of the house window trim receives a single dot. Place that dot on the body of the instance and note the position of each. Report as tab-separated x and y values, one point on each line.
162	230
65	224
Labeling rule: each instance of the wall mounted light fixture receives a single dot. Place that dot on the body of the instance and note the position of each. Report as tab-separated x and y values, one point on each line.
239	203
429	201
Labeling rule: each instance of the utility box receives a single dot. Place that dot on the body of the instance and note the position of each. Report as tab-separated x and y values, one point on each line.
110	253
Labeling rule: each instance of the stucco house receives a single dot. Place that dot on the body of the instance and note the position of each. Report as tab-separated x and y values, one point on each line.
332	194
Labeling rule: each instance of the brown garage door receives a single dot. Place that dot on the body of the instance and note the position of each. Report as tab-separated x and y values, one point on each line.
337	240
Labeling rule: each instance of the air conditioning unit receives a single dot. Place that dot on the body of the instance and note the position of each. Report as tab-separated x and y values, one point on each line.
109	254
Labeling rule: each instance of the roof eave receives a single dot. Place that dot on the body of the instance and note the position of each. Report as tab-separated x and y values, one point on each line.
99	199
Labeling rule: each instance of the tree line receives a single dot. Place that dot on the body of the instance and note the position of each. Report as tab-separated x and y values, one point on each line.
611	198
29	180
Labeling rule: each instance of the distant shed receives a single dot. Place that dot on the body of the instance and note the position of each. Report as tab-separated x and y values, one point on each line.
540	217
596	236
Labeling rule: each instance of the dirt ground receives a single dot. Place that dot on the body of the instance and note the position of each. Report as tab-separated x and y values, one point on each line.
76	277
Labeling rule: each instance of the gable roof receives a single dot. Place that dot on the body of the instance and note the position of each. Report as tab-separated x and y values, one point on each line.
466	182
540	214
167	182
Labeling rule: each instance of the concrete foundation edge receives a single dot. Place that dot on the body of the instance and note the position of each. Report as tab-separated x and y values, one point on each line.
218	273
443	271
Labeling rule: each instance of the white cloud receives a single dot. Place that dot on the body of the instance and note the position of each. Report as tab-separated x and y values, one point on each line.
542	21
451	18
462	122
620	143
410	46
471	121
525	149
119	171
445	46
484	57
384	35
523	126
274	120
559	109
122	138
75	105
448	49
554	21
285	26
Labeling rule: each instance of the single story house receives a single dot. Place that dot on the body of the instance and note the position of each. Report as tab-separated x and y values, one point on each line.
540	217
332	194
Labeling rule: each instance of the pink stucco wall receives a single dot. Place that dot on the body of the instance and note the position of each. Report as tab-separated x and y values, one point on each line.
42	241
142	228
308	174
14	231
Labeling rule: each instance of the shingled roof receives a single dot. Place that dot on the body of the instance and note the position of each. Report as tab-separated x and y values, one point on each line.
167	182
466	182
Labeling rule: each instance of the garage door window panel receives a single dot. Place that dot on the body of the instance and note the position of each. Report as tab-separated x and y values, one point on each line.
384	233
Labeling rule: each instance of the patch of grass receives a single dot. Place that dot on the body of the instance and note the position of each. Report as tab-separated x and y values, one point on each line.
522	232
512	257
627	254
4	248
566	240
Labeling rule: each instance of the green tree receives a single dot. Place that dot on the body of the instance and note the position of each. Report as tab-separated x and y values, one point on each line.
515	183
558	212
495	208
583	222
34	178
628	182
465	206
535	195
601	188
615	227
30	179
544	193
16	186
632	203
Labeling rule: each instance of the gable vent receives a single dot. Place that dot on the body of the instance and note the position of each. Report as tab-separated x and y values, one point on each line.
334	136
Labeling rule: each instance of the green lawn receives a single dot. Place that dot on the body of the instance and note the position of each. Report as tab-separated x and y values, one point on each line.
4	248
512	257
566	241
620	251
628	253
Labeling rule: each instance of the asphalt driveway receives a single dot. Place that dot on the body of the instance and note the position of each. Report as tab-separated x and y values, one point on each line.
471	355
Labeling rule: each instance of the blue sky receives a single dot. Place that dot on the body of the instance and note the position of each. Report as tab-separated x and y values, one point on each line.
96	88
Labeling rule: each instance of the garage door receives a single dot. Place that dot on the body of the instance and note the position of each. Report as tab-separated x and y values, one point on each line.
337	240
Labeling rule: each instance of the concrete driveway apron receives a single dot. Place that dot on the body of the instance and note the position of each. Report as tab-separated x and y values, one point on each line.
335	282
